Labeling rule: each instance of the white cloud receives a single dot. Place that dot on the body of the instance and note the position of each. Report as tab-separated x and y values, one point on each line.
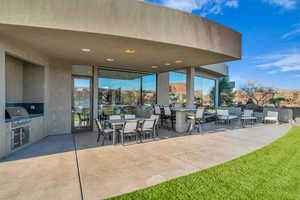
298	75
205	7
283	62
287	4
232	3
294	32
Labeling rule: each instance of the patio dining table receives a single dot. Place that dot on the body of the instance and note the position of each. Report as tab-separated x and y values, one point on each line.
118	123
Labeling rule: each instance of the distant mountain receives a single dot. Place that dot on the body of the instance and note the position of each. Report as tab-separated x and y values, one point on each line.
178	88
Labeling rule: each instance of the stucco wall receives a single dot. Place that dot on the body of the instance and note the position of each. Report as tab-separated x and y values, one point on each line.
2	103
163	88
22	51
33	83
58	98
220	69
14	80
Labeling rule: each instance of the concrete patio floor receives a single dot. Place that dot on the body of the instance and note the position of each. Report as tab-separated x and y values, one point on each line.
76	167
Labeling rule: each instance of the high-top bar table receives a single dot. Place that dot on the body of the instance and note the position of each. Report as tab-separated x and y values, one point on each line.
181	116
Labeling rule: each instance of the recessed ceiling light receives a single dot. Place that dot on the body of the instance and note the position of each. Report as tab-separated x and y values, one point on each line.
178	61
167	64
130	51
109	59
154	67
85	50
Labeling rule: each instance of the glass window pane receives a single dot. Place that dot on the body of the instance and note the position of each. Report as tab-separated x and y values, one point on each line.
81	103
121	91
177	86
149	89
204	91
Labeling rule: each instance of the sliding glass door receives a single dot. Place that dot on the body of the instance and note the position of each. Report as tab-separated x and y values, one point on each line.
82	104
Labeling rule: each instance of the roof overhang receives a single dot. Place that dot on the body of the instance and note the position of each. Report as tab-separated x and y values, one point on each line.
159	36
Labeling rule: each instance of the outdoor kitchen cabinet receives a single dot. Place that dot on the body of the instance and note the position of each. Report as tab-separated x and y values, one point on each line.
5	141
37	129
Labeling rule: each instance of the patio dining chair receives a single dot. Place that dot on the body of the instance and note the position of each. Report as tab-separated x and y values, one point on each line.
197	119
157	110
168	115
156	117
104	132
130	130
147	128
271	117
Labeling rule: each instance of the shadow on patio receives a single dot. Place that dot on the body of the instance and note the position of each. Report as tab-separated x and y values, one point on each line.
66	143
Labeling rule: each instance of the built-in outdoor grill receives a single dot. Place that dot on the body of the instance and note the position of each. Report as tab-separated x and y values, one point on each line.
20	126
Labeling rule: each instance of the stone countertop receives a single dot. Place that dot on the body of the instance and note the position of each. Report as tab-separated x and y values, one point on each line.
31	116
184	109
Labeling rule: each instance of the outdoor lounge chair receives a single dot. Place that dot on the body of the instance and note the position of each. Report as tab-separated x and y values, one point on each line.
129	117
224	116
104	132
247	113
115	117
271	117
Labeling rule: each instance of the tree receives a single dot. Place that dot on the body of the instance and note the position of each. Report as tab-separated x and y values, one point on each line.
198	100
226	93
276	100
258	93
227	98
173	97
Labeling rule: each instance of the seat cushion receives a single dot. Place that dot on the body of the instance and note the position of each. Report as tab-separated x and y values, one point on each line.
271	118
108	130
223	117
232	117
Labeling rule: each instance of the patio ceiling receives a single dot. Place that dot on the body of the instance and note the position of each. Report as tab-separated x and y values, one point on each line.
109	50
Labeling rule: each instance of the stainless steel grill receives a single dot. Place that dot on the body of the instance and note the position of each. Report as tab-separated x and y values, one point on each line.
20	126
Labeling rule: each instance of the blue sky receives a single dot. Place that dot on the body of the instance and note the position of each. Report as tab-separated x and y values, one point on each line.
271	37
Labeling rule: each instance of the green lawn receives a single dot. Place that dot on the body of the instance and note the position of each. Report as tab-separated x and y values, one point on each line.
270	173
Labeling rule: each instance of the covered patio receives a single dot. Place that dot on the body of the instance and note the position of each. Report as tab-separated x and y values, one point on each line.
76	167
68	73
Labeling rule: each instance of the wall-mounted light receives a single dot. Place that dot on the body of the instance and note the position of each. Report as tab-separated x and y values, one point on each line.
130	51
179	61
109	59
86	50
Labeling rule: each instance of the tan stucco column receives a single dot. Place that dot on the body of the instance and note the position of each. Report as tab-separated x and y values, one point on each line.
95	96
217	94
58	98
163	88
2	86
3	135
190	87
